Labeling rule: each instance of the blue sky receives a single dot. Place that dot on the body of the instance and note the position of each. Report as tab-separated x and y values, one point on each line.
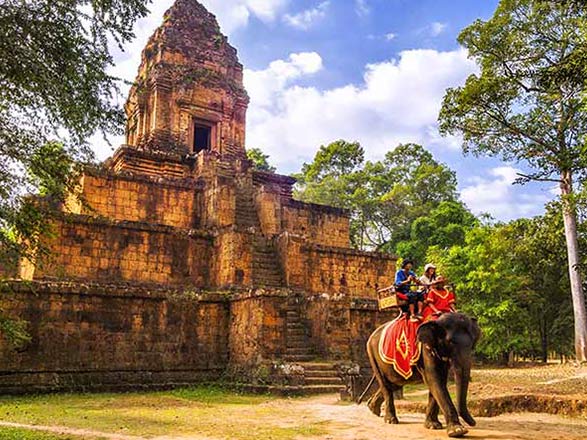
373	71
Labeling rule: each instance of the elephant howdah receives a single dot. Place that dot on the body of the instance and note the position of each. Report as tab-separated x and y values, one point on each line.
447	342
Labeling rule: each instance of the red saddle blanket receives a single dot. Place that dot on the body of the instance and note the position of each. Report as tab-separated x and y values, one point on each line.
399	347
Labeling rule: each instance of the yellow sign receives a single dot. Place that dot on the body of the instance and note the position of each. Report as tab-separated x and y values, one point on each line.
387	302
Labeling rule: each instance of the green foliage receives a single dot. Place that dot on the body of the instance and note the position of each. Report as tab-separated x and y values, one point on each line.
56	92
513	277
260	160
444	226
14	331
525	104
384	197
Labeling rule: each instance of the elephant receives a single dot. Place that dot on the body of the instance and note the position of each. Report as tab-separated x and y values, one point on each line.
447	341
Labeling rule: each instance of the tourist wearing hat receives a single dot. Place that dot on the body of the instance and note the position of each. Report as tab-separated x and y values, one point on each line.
429	278
404	279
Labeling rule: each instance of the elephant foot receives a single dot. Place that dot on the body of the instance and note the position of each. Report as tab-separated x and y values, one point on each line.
433	424
392	420
468	418
374	404
456	431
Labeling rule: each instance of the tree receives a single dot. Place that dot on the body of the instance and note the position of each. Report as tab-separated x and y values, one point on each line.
334	175
260	160
488	288
407	184
444	226
384	197
525	105
55	92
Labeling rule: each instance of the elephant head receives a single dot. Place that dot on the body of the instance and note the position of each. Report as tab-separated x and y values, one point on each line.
452	338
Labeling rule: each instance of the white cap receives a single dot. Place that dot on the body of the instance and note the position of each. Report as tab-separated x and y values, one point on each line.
429	266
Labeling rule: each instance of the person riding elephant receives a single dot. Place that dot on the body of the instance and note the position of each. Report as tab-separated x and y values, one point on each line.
446	342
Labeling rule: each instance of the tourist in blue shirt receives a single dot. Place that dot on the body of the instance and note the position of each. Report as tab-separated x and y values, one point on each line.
404	278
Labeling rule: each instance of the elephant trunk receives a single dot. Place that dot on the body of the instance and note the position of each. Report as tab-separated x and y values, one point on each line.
462	377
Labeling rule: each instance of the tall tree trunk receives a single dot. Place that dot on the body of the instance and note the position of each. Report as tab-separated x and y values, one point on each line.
570	219
544	339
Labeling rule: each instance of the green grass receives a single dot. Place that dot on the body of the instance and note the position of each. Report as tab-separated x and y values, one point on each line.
205	411
23	434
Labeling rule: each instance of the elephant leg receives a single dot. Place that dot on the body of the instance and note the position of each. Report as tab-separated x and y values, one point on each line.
436	374
374	403
432	411
384	388
389	415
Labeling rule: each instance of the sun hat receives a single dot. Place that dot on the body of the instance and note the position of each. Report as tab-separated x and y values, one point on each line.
429	266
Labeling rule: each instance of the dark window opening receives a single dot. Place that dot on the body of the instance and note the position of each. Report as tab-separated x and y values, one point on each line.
202	137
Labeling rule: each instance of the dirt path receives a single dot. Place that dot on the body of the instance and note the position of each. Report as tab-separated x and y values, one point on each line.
352	422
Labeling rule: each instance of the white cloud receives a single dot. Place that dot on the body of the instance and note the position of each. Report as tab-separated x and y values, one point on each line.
497	195
306	19
234	14
362	8
390	36
266	84
437	28
397	102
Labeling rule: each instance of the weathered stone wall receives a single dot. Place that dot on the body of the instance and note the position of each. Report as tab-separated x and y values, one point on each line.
347	271
140	199
93	249
340	326
257	328
111	337
321	269
318	224
321	225
233	261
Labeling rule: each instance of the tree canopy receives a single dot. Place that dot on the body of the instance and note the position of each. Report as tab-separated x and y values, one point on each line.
526	105
55	92
260	160
385	196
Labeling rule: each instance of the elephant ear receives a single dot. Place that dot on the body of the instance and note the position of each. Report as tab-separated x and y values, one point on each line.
475	331
431	333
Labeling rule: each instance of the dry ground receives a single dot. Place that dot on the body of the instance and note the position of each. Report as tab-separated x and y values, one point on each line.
212	413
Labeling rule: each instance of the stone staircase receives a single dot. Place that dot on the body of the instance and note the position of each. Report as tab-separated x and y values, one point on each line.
246	210
321	377
266	267
298	347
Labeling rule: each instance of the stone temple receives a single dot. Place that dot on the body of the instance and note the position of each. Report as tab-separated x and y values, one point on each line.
180	262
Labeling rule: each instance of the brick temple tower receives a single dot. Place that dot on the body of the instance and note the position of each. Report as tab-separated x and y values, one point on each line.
188	95
180	261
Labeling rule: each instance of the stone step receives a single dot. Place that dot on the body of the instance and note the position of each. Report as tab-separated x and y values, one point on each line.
265	284
268	264
323	381
318	366
322	389
298	351
300	341
267	277
298	357
321	373
296	332
296	344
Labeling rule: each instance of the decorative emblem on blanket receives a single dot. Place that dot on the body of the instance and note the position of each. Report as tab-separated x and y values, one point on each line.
398	346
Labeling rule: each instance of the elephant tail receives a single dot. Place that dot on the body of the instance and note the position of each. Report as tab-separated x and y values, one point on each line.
362	396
